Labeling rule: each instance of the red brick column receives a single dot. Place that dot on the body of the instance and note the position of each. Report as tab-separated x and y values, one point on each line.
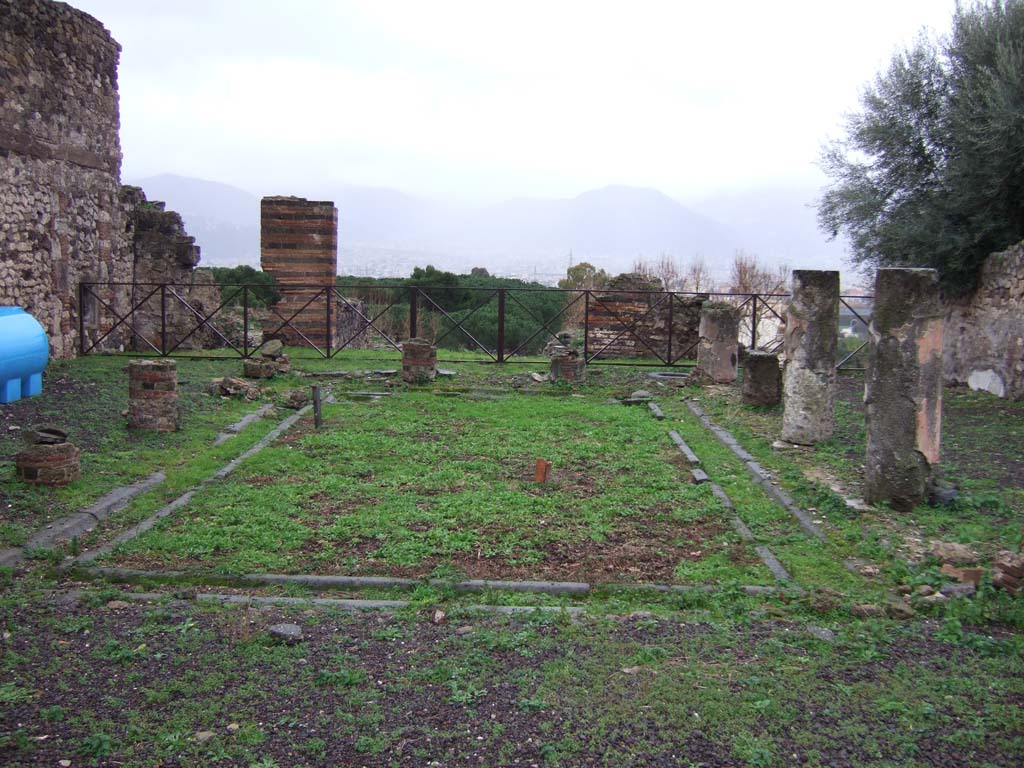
299	248
153	395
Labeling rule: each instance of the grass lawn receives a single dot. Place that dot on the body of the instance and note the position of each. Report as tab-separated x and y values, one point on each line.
418	484
438	481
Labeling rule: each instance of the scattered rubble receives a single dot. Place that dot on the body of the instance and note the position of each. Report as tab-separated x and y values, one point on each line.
951	552
1008	572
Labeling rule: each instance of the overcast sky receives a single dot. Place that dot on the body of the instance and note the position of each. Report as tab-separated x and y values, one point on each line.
483	100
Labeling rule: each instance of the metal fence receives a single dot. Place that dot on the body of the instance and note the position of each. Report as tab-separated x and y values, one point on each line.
502	324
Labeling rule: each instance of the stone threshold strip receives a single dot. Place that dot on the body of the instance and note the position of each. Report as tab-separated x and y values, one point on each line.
323	582
771	562
760	475
348	604
83	522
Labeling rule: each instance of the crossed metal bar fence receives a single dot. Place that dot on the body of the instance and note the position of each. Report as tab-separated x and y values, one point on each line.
162	319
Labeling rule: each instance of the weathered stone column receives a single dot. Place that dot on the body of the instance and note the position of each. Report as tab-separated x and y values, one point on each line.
718	348
903	390
762	379
419	361
153	395
812	335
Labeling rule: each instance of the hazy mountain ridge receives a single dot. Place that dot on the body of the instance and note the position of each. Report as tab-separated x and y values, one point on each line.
387	232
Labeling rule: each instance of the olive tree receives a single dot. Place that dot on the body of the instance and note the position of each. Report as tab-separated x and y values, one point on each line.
931	171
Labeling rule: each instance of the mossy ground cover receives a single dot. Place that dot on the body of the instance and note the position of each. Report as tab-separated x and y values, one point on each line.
697	678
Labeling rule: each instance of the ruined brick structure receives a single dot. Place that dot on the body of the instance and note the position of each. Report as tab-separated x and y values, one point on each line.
984	340
628	300
64	218
299	248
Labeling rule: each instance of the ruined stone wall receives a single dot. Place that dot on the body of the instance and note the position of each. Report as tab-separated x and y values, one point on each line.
626	321
164	253
984	339
61	220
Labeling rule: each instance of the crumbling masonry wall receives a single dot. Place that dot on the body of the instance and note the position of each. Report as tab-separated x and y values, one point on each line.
60	160
984	340
626	321
164	253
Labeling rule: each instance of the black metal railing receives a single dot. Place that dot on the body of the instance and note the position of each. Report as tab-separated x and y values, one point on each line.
612	327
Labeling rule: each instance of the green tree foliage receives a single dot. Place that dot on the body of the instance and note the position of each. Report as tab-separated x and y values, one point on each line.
931	173
583	276
262	286
467	299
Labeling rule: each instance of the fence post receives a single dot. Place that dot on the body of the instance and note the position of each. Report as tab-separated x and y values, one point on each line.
501	325
412	313
586	326
329	336
753	324
163	319
317	413
671	301
245	320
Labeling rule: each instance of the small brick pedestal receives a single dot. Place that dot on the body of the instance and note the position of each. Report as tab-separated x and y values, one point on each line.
568	366
419	361
762	379
153	395
54	464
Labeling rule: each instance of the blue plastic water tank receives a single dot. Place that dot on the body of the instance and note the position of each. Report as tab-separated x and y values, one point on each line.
24	352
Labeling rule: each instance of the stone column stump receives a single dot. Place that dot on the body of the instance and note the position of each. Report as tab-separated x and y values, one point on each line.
903	388
812	337
153	395
51	460
419	361
718	349
762	379
568	366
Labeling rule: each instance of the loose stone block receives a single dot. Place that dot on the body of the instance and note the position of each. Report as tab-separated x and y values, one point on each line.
718	349
259	368
812	337
903	388
762	379
49	464
419	361
153	395
567	365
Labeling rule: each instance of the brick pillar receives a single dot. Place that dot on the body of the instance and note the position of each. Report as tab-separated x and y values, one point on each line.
903	389
299	248
812	336
567	365
153	395
419	361
718	349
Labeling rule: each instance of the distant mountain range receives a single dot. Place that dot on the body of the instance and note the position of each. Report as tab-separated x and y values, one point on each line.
386	232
